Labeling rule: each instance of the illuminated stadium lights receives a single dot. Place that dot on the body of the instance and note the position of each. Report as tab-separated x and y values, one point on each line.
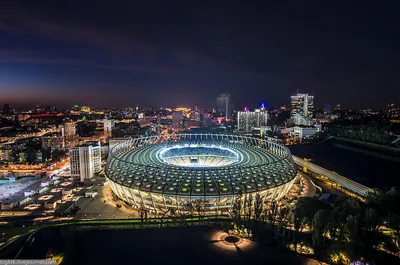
179	171
198	155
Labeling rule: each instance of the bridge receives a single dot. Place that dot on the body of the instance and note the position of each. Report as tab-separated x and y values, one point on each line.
348	184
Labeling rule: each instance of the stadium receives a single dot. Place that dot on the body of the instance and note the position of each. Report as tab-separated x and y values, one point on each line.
158	173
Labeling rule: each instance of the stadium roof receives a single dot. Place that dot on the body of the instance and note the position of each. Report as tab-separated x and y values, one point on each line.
263	165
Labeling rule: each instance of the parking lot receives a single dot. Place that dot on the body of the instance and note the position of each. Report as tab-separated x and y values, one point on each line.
103	206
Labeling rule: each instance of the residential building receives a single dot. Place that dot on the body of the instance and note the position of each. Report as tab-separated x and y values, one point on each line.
85	161
53	142
302	104
247	120
68	133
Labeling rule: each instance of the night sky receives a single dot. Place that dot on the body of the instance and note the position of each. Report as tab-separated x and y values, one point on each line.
168	53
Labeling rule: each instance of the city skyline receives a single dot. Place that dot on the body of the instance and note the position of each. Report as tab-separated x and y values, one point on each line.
116	56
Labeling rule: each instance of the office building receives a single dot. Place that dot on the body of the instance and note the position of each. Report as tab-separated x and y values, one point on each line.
109	125
302	104
224	105
85	161
247	120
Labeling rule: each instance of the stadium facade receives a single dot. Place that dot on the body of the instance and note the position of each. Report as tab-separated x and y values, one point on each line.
177	171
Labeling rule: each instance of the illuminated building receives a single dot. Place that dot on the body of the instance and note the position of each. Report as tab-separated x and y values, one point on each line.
247	120
159	173
68	129
224	105
303	132
53	142
300	120
85	109
68	132
85	161
393	112
302	104
196	114
23	117
109	125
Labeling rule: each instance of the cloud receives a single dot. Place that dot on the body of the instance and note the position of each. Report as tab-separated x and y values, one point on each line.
19	23
9	55
109	47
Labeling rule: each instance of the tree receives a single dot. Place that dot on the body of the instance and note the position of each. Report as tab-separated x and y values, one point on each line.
283	221
299	221
374	198
307	208
354	243
344	208
319	227
271	217
372	219
249	207
236	210
199	207
258	207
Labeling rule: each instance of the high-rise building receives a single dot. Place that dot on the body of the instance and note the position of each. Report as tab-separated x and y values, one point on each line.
224	105
85	161
302	104
247	120
109	125
6	109
393	112
68	129
68	133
